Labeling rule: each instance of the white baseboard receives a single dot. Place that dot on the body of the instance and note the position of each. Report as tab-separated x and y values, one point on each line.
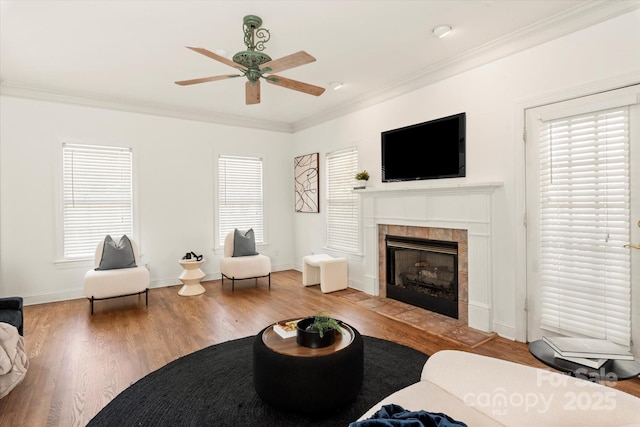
504	330
53	297
479	316
163	283
71	294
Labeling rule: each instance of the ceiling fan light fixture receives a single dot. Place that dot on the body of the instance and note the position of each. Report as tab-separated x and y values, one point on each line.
255	64
442	31
335	85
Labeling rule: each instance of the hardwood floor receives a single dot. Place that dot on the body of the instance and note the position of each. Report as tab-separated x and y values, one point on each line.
79	362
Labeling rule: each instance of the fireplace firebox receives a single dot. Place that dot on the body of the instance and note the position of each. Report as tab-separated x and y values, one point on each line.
423	273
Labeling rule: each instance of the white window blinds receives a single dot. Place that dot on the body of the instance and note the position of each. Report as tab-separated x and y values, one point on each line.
342	203
240	202
97	196
584	198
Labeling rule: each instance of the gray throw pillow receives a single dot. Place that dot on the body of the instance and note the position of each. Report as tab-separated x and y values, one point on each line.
244	244
117	255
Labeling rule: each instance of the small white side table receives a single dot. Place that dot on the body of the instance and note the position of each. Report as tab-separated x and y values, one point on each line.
191	277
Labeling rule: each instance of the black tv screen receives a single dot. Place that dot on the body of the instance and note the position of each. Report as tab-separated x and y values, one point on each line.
429	150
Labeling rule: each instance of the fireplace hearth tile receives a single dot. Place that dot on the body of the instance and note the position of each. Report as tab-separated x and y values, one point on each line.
439	326
415	316
353	296
373	303
430	322
393	308
469	336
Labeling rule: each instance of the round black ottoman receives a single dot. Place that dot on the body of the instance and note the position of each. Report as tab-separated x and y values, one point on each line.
308	384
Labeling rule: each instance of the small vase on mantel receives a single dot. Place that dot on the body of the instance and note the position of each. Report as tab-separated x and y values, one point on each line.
361	180
360	184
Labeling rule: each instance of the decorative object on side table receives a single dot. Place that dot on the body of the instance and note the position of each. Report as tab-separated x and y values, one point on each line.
191	256
191	276
361	180
317	331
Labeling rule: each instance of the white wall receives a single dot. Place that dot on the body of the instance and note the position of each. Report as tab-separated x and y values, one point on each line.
493	97
175	166
174	182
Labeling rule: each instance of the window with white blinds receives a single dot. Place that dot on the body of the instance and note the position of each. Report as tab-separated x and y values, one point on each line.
584	220
240	203
97	196
342	203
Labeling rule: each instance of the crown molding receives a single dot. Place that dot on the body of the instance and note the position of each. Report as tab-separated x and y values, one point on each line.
21	90
557	26
527	37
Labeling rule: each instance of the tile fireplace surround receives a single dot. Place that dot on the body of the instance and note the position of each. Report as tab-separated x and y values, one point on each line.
431	233
460	213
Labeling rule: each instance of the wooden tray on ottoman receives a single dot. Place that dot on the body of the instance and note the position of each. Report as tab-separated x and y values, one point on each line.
289	346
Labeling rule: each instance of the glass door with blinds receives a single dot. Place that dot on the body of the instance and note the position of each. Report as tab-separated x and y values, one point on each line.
582	163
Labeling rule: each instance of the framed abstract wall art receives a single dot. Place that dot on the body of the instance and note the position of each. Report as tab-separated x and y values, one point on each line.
306	183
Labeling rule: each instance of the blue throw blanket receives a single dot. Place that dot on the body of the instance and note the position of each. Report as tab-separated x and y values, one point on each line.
396	416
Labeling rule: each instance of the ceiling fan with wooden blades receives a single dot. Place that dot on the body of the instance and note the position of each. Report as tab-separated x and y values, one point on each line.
255	64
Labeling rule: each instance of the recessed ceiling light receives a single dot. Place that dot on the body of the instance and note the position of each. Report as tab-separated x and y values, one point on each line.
442	30
335	85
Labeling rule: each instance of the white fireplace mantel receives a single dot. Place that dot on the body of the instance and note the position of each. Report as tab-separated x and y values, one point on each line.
443	205
453	188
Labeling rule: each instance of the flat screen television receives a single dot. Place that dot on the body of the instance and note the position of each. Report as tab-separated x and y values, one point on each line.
429	150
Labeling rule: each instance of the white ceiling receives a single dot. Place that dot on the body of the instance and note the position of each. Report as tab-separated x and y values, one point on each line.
127	54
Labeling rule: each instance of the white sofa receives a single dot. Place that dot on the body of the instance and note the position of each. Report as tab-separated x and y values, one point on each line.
483	391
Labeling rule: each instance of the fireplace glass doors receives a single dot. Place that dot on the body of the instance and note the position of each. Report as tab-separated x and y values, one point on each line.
423	273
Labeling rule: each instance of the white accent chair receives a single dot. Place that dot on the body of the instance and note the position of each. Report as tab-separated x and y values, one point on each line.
331	273
122	282
243	267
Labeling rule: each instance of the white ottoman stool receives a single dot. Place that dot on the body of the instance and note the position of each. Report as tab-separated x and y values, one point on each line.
331	273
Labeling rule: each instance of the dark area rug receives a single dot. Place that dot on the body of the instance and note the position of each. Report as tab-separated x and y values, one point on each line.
214	386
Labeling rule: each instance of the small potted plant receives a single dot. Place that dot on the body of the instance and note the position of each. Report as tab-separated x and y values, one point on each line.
362	178
317	331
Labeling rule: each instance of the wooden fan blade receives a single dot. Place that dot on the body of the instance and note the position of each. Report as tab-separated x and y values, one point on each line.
252	92
217	57
206	79
295	85
287	62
